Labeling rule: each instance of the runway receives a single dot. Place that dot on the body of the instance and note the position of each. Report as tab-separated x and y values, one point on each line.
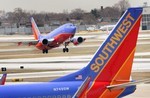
65	63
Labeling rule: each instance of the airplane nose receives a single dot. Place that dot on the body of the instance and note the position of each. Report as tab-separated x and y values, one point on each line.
70	28
73	29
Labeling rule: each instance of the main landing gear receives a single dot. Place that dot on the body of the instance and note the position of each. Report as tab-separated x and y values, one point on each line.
65	49
45	51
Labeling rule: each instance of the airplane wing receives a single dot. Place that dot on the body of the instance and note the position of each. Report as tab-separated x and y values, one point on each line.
20	41
82	88
27	42
124	85
3	79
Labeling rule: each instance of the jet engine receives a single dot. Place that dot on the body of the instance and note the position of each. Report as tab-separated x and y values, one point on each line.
77	40
45	42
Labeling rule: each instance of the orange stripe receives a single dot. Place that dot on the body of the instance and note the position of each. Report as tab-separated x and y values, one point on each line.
121	73
125	74
111	94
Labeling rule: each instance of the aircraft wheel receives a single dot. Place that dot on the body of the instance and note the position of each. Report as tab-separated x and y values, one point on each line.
64	50
43	51
67	50
46	51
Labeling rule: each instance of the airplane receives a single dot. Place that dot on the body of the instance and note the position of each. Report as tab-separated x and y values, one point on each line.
107	28
3	79
61	35
107	75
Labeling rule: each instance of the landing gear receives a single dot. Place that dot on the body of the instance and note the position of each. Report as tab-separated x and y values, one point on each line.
65	49
45	51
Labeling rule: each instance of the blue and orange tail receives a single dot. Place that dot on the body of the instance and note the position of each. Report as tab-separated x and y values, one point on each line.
113	60
3	79
35	29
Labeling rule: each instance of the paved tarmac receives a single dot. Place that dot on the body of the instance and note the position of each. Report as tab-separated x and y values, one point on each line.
142	91
65	63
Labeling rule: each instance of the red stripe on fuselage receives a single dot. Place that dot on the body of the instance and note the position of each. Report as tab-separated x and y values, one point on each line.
117	59
59	39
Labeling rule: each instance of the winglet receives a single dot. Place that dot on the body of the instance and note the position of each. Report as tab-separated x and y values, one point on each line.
35	29
3	79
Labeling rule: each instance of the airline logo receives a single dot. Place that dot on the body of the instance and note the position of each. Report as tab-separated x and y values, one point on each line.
113	43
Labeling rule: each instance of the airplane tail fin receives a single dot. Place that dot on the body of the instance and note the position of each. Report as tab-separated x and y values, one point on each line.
112	63
3	79
35	29
113	60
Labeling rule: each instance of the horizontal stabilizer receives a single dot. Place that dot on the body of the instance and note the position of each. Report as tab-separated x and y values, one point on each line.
124	85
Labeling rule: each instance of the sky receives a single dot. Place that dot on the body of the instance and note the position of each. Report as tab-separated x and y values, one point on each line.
61	5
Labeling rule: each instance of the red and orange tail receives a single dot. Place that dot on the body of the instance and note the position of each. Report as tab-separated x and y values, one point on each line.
35	29
3	79
112	63
113	60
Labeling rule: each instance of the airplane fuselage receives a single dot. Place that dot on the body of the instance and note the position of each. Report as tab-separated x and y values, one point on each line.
40	90
54	90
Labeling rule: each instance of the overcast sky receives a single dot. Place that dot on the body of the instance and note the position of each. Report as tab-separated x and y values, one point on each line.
60	5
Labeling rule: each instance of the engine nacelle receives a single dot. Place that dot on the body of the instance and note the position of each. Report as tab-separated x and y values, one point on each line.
77	40
45	42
